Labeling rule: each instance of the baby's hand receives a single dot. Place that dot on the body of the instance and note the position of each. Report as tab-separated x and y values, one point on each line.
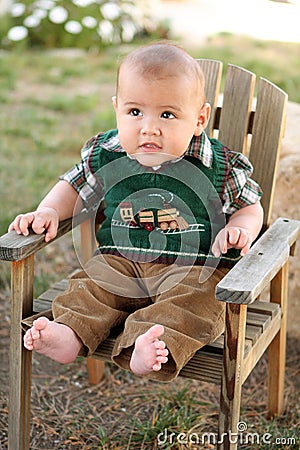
232	237
41	220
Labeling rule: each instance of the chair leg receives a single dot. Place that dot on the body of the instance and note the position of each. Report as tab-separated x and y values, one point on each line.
20	358
231	378
95	368
277	348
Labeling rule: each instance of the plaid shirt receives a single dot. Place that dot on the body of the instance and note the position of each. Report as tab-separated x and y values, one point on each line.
240	190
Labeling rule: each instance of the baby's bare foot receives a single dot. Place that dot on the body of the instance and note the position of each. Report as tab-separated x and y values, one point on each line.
149	352
55	340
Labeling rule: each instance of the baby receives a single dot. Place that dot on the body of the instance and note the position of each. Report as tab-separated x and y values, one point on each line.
181	209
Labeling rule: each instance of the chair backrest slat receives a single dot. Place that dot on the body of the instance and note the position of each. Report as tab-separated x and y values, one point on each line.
236	117
267	134
237	104
212	71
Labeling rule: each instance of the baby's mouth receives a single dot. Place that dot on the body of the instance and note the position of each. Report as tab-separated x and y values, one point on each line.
150	147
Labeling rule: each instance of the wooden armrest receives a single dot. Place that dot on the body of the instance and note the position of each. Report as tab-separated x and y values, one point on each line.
254	271
15	247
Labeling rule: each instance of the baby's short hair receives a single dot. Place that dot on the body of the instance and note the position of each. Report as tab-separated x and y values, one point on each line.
164	59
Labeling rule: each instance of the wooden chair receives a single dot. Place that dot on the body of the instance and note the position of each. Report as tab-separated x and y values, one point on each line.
252	325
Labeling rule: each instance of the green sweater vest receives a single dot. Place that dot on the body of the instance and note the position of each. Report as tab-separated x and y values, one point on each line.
168	215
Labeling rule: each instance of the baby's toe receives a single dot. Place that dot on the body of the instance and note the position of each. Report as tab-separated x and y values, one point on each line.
157	366
159	344
162	351
40	323
162	359
35	334
28	340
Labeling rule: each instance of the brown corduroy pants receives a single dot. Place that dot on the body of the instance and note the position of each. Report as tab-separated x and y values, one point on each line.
113	292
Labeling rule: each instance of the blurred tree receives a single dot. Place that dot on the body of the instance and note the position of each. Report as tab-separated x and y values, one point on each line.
74	23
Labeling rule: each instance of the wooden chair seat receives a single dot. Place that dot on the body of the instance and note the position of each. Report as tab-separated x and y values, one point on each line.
262	324
252	326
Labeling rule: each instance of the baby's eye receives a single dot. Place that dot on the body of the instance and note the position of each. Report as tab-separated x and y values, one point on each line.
135	112
167	115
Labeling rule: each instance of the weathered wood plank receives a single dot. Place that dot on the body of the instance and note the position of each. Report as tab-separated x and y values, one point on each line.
20	359
95	367
257	350
217	345
277	348
217	116
236	108
61	285
202	372
267	134
258	320
253	333
212	71
248	346
15	247
253	272
50	295
88	236
235	324
266	308
41	305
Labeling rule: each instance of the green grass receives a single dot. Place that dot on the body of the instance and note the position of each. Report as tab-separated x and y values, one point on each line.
171	411
50	105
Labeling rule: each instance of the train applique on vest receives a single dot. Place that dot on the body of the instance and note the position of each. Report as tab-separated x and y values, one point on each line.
165	219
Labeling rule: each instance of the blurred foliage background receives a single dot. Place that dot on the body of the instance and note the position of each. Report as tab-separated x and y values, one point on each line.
73	23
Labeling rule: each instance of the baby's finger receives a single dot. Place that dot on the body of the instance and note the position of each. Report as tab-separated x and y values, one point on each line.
15	225
224	242
244	239
25	222
38	226
216	251
233	236
220	244
246	248
51	230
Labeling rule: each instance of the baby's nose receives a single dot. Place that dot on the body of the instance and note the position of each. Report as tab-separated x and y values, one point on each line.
150	127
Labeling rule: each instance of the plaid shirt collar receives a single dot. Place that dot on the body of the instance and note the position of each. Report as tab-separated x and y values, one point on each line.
199	148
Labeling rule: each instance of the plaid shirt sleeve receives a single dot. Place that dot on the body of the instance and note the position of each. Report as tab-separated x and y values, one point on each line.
88	186
240	189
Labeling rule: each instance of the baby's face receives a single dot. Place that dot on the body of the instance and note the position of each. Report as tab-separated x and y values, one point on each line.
157	118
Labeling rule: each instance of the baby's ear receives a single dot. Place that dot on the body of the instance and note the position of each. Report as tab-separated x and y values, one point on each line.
114	102
203	119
